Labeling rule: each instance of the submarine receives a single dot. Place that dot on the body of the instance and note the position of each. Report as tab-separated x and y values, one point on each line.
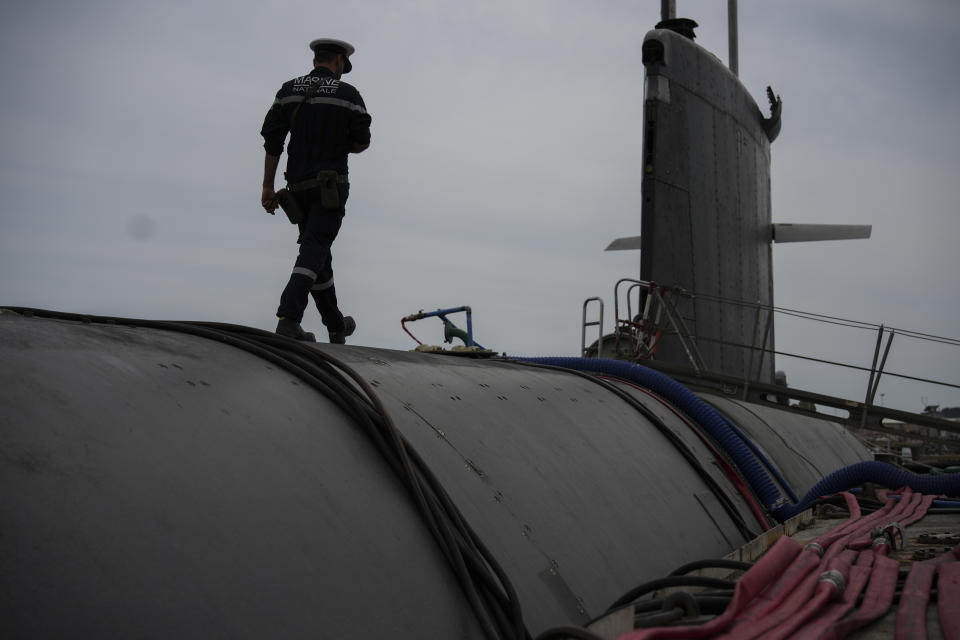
191	479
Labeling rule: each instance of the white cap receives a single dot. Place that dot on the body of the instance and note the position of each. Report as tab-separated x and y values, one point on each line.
338	46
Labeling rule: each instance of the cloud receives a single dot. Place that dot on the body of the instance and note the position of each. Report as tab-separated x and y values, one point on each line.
505	156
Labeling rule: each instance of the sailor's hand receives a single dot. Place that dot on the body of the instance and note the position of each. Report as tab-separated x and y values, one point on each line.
268	199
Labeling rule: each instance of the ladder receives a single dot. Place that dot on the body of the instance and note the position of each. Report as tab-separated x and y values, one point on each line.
584	324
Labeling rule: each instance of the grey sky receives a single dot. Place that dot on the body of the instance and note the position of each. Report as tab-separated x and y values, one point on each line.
504	159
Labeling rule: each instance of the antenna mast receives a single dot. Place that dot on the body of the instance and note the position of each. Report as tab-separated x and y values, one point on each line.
668	9
732	37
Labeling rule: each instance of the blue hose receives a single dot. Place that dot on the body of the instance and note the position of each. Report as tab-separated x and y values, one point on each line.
739	447
943	504
745	455
878	473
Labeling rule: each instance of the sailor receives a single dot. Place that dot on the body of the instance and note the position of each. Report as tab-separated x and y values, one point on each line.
327	120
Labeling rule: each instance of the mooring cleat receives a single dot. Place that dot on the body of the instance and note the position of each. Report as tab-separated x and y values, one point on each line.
340	337
292	329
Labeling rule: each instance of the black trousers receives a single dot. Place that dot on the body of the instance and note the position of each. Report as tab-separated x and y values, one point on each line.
313	270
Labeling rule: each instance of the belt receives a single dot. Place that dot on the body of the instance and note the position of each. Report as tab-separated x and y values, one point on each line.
319	181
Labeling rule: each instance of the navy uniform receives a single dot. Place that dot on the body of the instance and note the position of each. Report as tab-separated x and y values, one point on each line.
327	120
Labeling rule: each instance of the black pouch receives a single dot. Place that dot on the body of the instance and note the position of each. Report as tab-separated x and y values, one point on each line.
329	193
290	206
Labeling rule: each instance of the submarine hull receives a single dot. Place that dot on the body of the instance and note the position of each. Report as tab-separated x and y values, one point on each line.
158	483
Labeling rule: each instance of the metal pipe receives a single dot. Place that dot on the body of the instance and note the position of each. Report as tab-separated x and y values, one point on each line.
732	37
616	296
681	329
442	314
873	370
883	362
668	9
616	306
634	344
584	324
630	306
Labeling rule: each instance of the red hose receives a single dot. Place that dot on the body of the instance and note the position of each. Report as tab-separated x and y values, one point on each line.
948	597
785	598
403	325
773	563
790	612
825	592
912	612
883	579
877	599
785	595
847	533
919	511
859	574
765	586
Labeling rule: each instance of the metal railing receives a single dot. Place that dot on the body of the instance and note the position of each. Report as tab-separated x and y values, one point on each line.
584	324
658	301
637	337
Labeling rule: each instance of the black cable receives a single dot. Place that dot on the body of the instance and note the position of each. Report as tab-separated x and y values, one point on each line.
444	535
891	374
710	602
485	584
451	543
711	564
509	595
658	619
564	633
670	581
808	315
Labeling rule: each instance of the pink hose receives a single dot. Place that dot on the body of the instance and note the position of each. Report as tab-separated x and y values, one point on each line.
948	597
804	592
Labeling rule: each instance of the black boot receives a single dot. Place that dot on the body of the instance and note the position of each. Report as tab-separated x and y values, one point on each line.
340	337
292	329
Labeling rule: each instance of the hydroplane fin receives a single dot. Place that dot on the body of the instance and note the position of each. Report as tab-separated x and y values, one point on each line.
816	232
624	244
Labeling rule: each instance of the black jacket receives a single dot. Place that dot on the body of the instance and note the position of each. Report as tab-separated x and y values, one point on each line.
325	128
